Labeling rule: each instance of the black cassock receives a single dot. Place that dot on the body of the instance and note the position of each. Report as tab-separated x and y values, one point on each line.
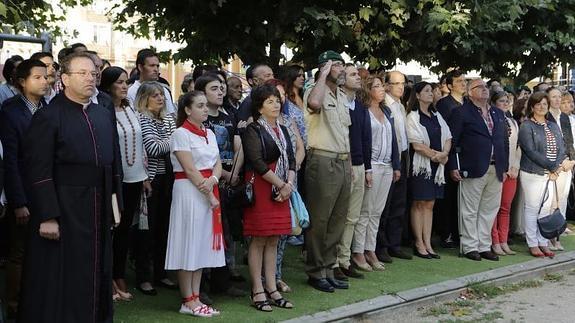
73	168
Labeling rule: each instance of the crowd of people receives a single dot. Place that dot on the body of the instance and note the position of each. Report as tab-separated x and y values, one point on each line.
102	167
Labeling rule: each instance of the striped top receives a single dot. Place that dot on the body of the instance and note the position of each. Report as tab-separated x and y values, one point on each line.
551	143
156	137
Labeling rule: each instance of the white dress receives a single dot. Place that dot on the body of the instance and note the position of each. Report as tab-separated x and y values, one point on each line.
190	235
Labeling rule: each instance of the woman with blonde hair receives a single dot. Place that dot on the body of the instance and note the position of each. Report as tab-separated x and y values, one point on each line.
157	127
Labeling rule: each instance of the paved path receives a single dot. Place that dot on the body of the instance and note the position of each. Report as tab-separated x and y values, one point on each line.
551	302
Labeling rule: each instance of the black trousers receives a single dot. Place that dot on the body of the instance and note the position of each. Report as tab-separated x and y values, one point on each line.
445	211
150	245
122	233
394	216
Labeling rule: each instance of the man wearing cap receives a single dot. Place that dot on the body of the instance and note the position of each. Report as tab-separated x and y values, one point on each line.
328	170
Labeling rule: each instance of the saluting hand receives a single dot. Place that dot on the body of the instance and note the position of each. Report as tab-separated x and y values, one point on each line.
324	72
50	229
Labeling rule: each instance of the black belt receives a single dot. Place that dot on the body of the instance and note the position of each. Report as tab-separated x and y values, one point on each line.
80	175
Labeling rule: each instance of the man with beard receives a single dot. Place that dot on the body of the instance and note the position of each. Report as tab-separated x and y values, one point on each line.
328	171
73	166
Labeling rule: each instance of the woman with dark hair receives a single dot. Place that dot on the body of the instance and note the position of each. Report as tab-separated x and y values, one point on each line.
8	89
299	153
500	230
271	166
195	239
543	158
135	179
430	139
150	248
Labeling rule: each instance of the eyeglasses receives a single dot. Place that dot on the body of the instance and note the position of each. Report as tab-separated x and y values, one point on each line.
84	74
338	63
482	86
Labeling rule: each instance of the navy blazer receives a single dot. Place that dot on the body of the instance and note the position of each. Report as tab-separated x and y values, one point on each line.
472	140
15	118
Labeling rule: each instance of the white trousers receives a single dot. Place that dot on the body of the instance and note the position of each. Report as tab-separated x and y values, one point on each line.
479	201
365	233
533	186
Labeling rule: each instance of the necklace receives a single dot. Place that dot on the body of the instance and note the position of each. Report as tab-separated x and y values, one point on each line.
130	161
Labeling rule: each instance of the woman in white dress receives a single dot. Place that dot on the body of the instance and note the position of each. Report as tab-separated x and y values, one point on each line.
195	238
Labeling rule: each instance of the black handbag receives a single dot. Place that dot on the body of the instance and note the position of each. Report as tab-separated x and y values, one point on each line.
553	225
243	195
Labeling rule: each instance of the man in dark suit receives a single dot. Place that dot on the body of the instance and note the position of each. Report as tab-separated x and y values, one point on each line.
15	117
479	162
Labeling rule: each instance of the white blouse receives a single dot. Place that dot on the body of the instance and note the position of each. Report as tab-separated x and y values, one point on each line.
128	135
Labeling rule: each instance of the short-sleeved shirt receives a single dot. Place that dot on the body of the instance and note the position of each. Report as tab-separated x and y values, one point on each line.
328	128
205	154
224	127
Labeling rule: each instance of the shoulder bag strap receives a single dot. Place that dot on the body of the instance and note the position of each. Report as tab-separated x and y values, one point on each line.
545	196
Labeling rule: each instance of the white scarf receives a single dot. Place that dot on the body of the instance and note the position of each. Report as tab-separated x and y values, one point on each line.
282	166
416	133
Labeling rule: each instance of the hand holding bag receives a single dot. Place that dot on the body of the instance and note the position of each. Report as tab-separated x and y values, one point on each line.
552	225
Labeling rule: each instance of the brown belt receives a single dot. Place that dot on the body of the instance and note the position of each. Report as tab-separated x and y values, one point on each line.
329	154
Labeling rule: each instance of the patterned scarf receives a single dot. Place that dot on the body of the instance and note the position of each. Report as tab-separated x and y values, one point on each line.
282	166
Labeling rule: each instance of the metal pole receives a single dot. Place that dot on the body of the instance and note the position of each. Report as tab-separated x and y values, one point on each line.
44	39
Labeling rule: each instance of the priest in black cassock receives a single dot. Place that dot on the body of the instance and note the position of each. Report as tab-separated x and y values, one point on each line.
73	167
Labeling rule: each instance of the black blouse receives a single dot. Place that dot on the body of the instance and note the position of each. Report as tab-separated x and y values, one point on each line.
258	158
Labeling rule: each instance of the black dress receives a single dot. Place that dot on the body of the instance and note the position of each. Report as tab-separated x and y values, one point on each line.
425	189
73	167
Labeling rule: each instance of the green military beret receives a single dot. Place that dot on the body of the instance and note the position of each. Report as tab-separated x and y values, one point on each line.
329	55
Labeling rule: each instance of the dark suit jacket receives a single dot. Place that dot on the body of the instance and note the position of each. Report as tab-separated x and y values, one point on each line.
15	118
474	143
565	124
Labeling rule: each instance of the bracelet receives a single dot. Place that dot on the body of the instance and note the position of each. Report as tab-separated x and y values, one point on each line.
214	176
282	187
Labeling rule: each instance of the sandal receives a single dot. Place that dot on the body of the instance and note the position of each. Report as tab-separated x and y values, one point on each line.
200	310
283	287
263	306
280	302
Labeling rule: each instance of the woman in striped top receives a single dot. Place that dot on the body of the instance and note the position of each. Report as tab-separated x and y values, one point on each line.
157	127
543	159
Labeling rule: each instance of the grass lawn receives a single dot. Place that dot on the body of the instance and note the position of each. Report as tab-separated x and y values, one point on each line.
400	275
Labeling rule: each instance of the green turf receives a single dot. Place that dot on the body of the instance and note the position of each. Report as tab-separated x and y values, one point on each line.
399	276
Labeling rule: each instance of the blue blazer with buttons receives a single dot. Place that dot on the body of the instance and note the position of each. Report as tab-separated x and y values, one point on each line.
472	140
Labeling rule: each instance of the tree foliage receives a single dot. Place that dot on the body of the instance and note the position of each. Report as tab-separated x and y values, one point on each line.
515	38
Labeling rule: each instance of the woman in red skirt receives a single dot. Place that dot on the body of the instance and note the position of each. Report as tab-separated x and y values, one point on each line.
271	163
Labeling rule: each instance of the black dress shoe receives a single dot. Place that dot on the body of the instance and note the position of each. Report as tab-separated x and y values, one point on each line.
489	256
473	255
338	274
448	243
351	272
339	284
420	255
399	254
320	284
384	256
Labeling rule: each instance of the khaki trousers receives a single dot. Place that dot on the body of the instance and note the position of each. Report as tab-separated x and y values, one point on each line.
479	201
365	235
328	190
355	201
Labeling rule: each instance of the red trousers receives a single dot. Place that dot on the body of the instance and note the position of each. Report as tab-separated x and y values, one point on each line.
500	229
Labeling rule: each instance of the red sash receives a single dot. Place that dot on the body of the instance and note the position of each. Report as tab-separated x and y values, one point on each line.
218	238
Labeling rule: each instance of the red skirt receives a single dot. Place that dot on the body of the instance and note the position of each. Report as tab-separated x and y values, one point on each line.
266	217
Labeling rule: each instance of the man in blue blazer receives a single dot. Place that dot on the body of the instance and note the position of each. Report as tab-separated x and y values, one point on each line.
479	162
15	117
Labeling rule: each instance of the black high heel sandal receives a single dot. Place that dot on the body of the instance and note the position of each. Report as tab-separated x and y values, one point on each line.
280	302
260	305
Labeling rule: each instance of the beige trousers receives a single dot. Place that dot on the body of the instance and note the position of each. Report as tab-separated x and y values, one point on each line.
355	200
479	201
365	234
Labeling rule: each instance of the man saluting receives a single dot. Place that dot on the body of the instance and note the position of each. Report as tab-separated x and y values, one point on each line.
73	167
